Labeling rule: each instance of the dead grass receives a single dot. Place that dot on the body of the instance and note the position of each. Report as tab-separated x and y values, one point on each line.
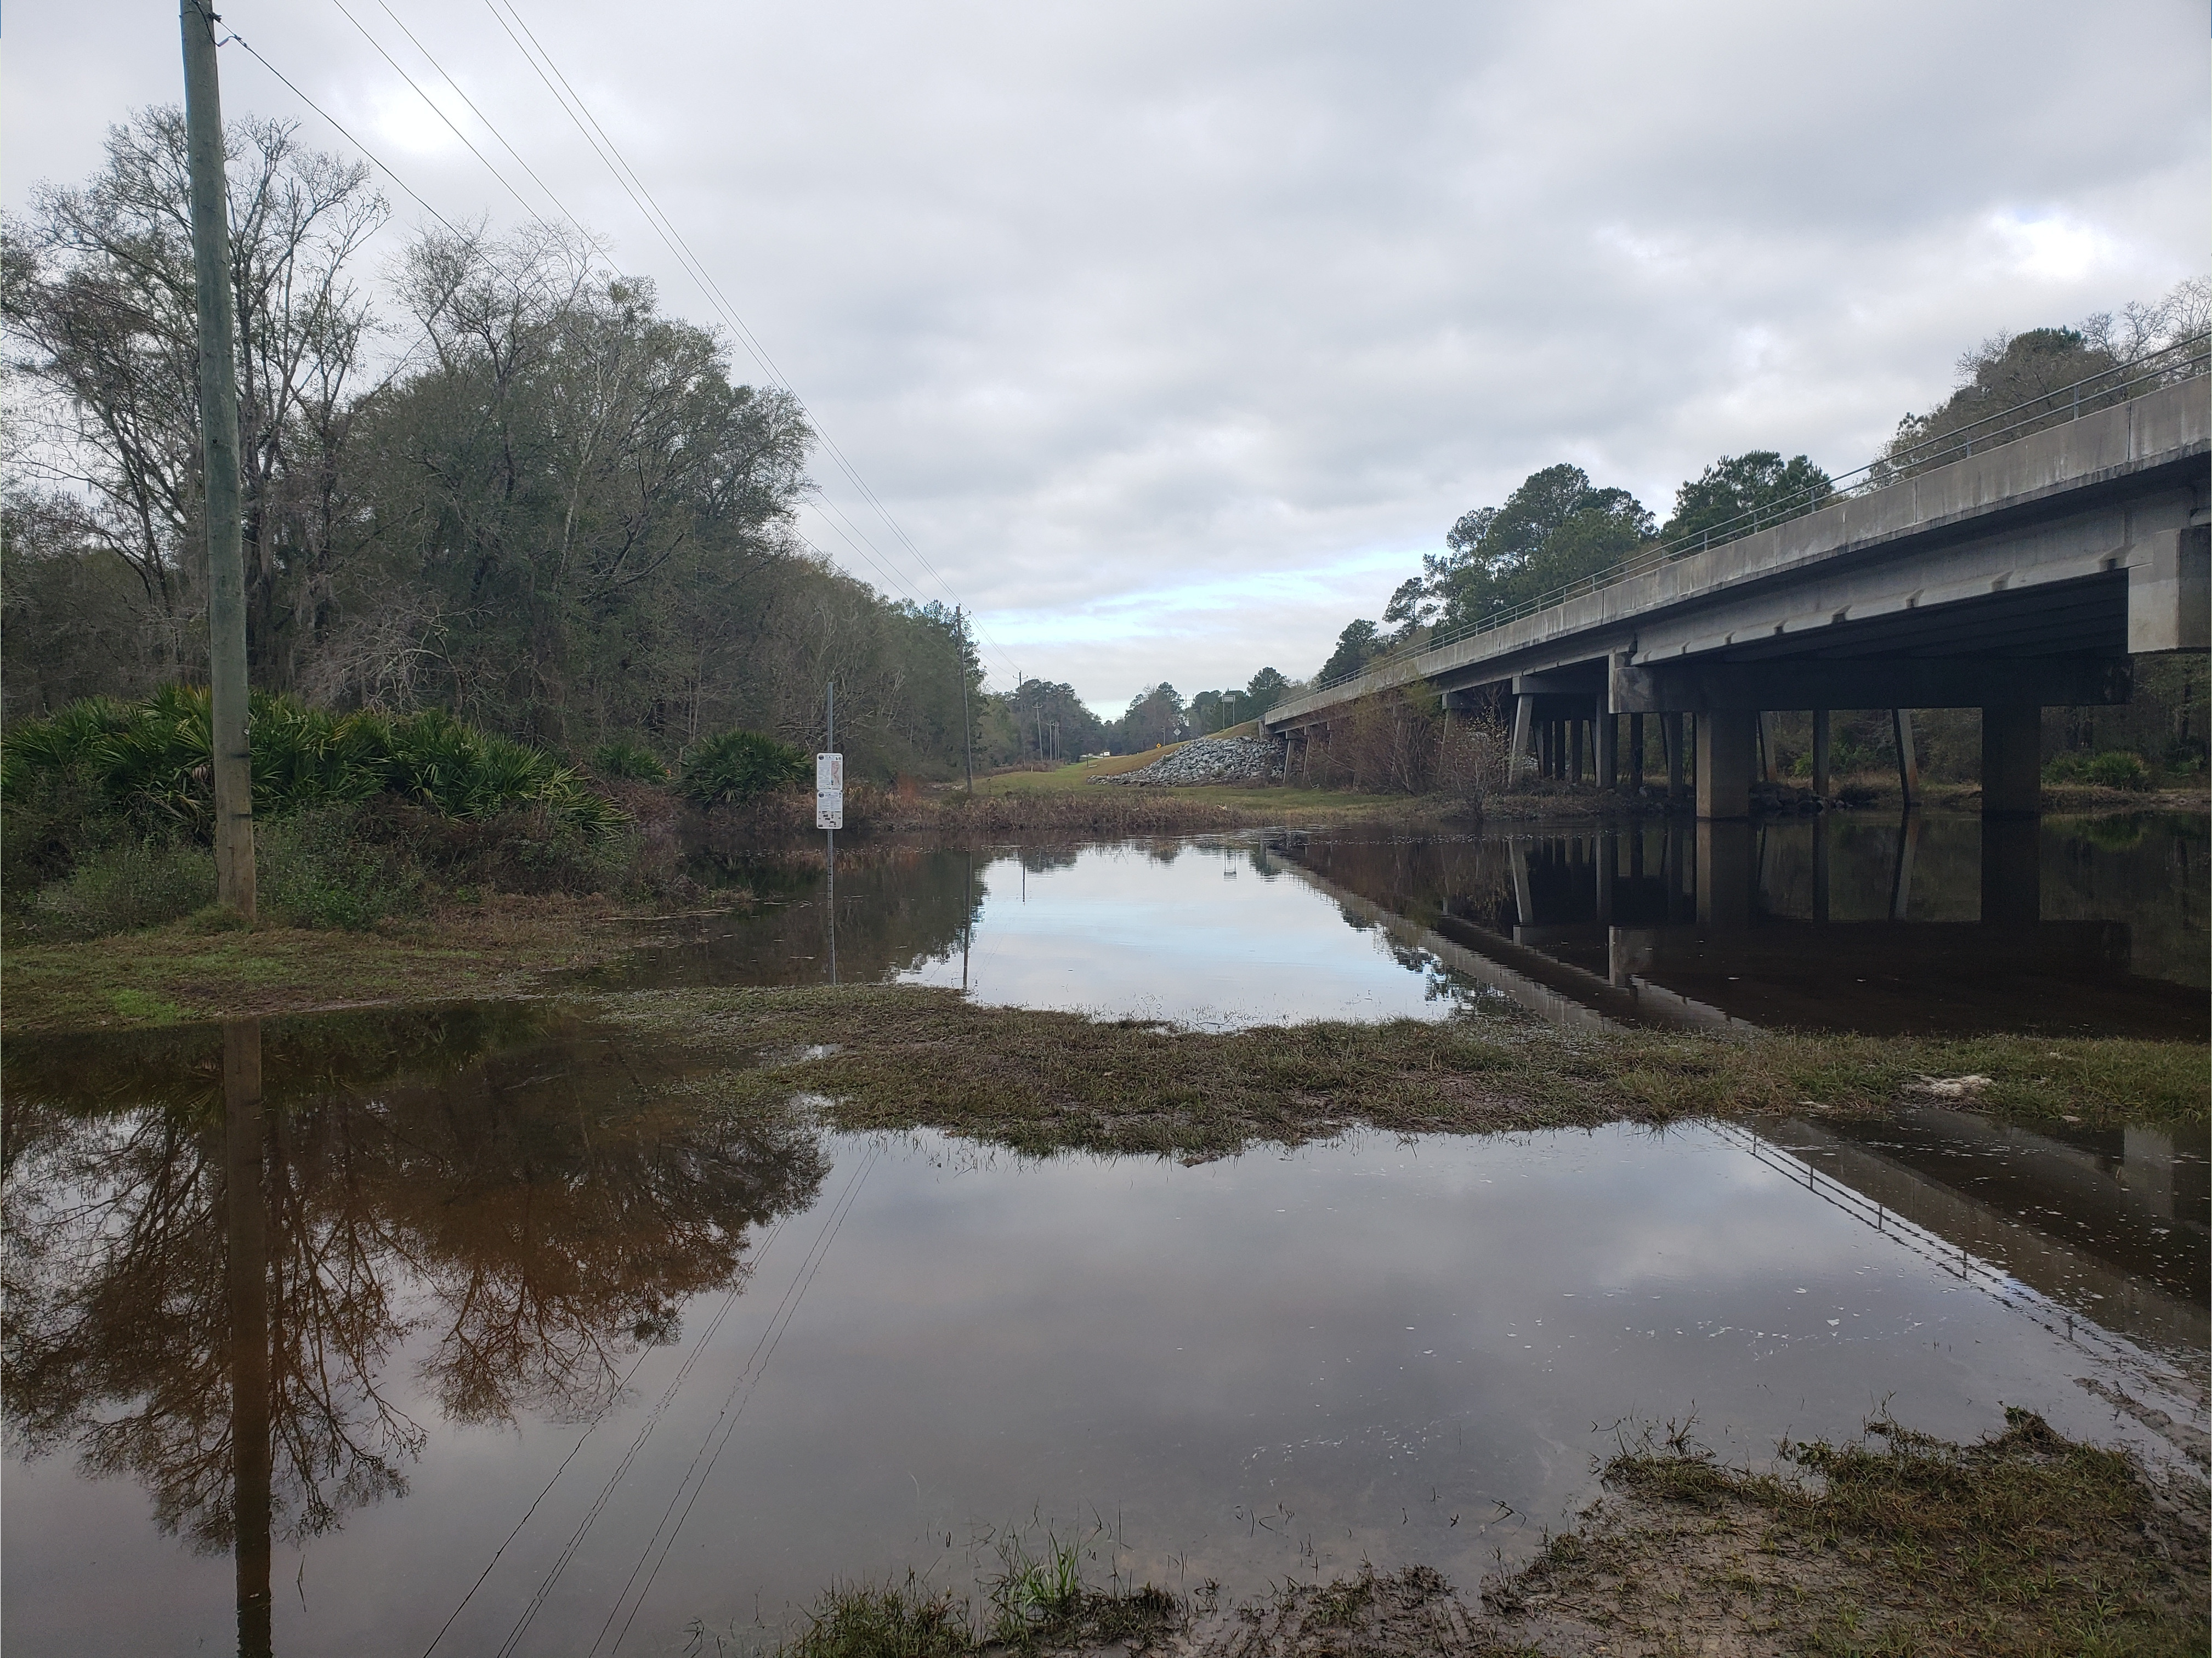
2024	1545
898	1057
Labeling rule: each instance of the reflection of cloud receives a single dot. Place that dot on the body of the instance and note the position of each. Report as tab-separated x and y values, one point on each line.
1153	931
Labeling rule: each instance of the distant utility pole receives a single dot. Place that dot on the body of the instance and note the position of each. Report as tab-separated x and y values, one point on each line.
234	777
967	724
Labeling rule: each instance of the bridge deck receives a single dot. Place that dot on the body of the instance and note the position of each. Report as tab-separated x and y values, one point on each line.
2069	549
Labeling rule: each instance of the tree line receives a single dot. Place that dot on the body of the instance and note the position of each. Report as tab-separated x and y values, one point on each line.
504	485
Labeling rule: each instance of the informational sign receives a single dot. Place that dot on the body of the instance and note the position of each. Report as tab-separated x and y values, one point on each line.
830	791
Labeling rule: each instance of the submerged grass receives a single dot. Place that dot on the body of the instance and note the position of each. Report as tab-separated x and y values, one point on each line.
909	1057
2025	1543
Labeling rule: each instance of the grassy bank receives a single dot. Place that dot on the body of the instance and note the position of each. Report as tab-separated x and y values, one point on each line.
2025	1544
909	1057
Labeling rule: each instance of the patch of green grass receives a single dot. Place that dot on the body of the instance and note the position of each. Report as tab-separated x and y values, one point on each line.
139	1008
1038	1603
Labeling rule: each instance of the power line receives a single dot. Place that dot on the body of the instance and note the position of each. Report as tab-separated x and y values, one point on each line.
626	177
432	103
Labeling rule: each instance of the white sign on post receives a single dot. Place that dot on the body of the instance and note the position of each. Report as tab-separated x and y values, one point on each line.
830	791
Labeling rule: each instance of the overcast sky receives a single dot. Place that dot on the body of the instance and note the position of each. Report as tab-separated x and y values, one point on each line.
1174	334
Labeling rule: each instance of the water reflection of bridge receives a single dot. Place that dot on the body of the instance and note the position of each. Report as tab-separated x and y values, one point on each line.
1819	925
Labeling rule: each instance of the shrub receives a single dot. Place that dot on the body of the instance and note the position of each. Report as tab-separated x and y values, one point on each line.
122	889
318	868
2114	768
737	766
627	762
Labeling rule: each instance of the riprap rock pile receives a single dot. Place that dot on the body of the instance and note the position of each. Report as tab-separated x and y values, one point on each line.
1207	760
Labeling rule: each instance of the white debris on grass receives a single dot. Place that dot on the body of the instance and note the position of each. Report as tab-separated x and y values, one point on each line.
1207	760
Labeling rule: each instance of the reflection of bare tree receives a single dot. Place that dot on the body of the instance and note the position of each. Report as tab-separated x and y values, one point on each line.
503	1188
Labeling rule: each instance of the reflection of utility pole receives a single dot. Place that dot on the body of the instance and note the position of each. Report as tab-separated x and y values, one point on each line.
968	923
211	273
245	1225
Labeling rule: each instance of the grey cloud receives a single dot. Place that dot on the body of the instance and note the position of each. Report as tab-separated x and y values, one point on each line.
1107	302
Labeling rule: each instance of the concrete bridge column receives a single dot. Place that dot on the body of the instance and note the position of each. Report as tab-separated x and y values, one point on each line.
2012	760
1575	745
1636	755
1670	734
1608	759
1516	756
1726	738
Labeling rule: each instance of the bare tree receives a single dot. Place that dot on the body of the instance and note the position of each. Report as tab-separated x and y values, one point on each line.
96	291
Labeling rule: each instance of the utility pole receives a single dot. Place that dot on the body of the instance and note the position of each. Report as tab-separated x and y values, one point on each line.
234	777
967	724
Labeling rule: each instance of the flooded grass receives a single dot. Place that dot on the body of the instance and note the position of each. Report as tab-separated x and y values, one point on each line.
2026	1543
1042	1082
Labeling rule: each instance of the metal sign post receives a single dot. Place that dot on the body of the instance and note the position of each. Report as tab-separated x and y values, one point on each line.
829	813
829	817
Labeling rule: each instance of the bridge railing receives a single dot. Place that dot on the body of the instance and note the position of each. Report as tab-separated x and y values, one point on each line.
2184	359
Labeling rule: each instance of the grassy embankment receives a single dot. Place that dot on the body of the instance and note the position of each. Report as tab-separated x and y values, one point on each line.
2027	1544
1245	804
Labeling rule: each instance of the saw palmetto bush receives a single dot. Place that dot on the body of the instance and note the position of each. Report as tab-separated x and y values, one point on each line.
737	766
109	809
150	760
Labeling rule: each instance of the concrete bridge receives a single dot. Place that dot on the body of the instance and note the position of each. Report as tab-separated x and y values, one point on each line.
2021	578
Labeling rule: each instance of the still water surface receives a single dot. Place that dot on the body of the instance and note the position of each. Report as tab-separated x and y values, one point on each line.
1932	924
559	1363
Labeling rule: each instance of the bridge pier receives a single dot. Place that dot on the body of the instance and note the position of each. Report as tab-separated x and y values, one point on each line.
1608	759
1636	755
1516	756
1726	739
2012	760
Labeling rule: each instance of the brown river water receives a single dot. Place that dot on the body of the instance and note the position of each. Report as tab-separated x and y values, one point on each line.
556	1362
